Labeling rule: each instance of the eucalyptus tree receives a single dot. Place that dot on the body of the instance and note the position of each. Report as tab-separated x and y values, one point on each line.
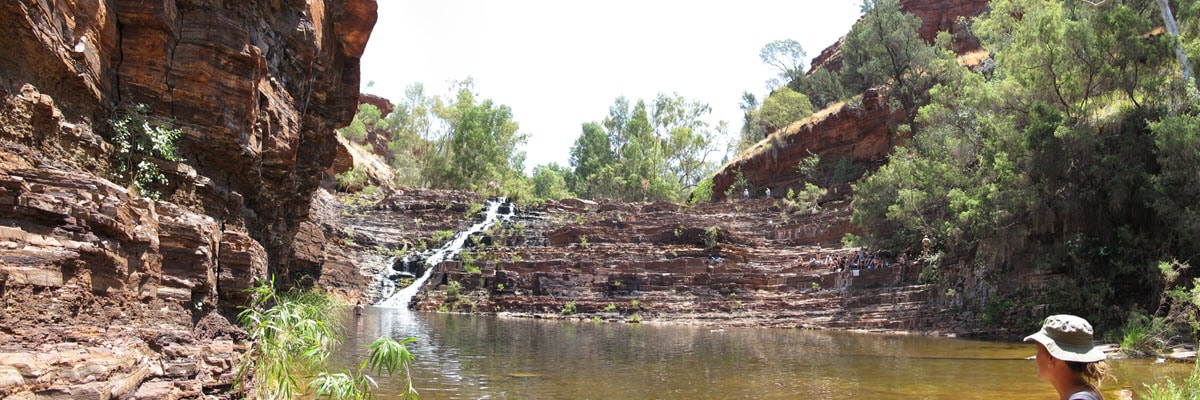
591	153
689	142
481	148
643	151
787	56
415	140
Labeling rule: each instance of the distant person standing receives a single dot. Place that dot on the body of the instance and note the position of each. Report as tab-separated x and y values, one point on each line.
745	194
768	193
358	307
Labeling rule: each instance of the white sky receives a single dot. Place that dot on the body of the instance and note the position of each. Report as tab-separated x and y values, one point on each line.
559	64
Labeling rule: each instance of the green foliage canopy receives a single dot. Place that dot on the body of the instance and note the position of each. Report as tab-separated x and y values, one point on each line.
656	151
139	139
1074	148
783	107
885	48
482	149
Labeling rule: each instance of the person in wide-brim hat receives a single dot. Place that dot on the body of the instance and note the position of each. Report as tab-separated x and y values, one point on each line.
1068	359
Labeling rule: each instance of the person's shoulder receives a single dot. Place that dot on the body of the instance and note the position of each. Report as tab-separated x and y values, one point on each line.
1084	395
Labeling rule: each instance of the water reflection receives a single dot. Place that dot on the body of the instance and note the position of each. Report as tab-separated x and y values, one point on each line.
480	357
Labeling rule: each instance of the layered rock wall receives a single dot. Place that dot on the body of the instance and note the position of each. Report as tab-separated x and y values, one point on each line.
758	263
89	266
256	87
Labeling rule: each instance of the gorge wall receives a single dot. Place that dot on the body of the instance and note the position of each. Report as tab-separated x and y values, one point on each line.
109	294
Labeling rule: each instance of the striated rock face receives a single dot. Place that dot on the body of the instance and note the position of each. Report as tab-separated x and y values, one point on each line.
734	263
256	87
104	293
357	242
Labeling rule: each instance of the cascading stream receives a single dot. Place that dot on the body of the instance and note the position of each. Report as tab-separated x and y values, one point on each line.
401	298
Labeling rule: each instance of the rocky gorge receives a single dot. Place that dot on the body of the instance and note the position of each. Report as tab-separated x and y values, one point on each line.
104	292
108	293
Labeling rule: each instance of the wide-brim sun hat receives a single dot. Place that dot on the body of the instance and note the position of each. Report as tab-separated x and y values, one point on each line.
1068	338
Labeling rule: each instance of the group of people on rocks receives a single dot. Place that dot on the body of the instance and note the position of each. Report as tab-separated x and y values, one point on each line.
861	260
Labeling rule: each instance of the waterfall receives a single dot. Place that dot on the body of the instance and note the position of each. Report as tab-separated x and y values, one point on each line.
402	297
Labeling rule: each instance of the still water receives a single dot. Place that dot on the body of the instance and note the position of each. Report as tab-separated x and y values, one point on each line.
483	357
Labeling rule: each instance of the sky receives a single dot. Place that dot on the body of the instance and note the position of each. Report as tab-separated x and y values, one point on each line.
559	64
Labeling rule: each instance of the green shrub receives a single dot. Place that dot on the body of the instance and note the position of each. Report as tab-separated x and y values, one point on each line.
474	209
740	184
1169	390
702	193
1140	335
569	308
352	179
292	339
137	140
385	354
442	236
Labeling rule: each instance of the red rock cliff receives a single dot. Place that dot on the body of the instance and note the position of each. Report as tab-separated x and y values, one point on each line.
256	87
859	134
87	266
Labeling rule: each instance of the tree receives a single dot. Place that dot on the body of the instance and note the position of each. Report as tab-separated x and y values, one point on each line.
783	107
413	142
482	147
550	182
688	141
645	152
1069	158
752	131
591	152
823	88
785	55
884	47
1178	185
